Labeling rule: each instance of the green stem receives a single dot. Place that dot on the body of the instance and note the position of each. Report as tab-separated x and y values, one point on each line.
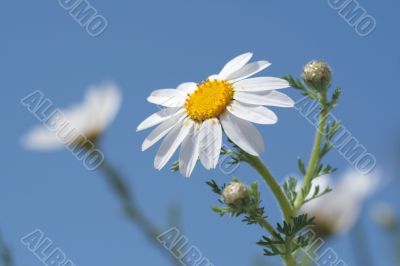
308	260
284	204
121	190
266	225
290	260
314	158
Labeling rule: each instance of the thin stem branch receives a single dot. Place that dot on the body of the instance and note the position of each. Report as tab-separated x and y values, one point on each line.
314	158
121	190
266	225
284	203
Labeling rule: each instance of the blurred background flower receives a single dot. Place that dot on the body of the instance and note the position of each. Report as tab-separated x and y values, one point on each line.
90	118
339	210
385	215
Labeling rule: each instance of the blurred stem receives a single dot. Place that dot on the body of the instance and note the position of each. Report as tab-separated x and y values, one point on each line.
119	187
395	233
5	253
174	216
315	153
360	245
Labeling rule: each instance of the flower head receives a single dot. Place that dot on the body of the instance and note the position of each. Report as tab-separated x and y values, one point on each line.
234	193
196	114
89	118
317	74
338	211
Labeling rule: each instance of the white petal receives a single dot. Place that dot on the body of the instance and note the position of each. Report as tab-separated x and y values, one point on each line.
341	207
359	186
159	117
248	70
210	143
272	98
167	97
189	153
160	131
261	84
187	87
214	77
171	143
235	64
243	134
40	138
255	114
101	105
97	111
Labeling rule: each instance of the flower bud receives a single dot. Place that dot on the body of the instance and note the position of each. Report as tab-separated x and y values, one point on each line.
234	193
317	74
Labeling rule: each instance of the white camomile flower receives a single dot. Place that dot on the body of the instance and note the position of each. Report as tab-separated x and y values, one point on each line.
339	210
89	118
196	114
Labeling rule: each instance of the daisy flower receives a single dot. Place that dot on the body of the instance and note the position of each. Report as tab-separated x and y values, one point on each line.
339	210
88	118
196	114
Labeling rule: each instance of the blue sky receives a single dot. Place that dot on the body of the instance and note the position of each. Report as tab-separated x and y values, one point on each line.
156	44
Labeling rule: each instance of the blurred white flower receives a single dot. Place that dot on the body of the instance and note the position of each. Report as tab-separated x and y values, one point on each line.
339	210
384	214
89	118
195	112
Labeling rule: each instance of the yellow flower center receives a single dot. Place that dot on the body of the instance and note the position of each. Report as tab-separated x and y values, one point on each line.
209	100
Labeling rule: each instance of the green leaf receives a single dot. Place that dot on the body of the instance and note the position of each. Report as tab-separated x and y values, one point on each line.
295	83
288	237
215	188
289	188
335	98
220	211
301	166
175	167
317	194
